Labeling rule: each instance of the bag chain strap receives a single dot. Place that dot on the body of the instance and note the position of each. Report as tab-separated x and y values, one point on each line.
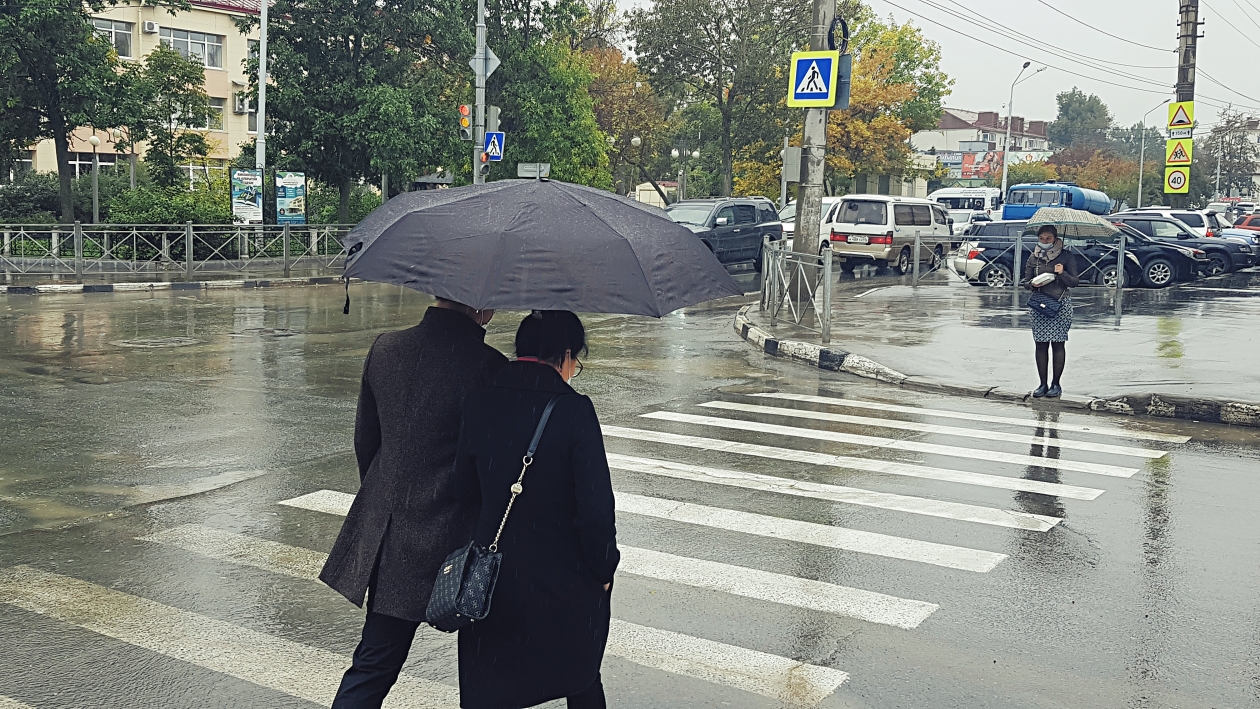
527	461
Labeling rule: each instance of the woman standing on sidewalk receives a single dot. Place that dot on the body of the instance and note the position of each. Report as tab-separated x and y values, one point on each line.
1050	331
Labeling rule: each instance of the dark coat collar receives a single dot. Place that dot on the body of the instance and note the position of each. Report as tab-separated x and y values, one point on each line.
532	376
453	321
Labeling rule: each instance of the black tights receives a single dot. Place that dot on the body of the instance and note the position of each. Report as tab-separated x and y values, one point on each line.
1043	360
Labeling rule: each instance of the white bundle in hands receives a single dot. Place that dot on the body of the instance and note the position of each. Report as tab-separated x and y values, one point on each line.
1043	279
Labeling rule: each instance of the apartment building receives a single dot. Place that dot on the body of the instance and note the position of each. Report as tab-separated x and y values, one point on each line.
207	32
963	131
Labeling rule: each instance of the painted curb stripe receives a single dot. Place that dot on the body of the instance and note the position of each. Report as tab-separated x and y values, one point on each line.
895	444
866	464
835	493
935	429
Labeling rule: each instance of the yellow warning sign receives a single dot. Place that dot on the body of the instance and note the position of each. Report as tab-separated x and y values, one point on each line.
1179	152
1181	115
1176	180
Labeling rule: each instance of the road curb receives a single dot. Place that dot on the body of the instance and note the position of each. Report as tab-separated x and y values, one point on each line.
1154	405
61	288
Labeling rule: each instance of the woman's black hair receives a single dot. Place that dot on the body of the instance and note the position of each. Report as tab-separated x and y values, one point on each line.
1048	228
548	334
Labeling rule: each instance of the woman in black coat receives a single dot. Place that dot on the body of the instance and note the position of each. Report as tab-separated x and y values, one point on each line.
544	637
1051	332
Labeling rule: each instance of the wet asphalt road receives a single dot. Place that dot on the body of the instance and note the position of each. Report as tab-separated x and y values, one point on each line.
172	468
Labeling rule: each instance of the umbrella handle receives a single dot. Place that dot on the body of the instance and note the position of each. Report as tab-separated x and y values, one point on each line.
346	310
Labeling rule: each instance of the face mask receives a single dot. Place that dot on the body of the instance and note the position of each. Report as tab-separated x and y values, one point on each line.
1044	247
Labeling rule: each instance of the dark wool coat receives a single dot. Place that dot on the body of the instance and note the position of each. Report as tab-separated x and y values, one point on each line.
406	519
549	615
1037	265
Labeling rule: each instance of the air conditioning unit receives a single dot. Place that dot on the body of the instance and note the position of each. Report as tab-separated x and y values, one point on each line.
241	104
150	27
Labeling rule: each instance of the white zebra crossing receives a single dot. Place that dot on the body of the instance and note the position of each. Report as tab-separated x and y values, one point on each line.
984	418
888	467
10	703
762	673
1023	438
895	444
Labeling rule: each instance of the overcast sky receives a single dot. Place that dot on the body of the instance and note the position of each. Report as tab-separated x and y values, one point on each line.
982	74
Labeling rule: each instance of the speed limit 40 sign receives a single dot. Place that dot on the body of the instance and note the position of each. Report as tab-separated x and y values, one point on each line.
1177	180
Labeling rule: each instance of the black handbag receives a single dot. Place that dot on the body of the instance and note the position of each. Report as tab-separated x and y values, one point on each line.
1043	305
465	581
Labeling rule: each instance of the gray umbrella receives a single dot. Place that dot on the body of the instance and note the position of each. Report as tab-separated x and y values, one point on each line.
1072	223
536	244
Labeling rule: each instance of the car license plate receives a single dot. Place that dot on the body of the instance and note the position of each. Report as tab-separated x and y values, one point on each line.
855	239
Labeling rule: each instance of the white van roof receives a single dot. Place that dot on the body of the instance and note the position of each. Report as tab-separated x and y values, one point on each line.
892	198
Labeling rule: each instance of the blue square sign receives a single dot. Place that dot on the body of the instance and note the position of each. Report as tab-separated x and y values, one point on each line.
494	146
813	78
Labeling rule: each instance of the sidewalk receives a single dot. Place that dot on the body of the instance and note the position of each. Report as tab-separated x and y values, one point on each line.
1194	343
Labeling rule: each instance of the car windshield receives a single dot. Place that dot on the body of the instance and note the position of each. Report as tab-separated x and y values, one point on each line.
860	211
697	214
788	213
1190	218
960	215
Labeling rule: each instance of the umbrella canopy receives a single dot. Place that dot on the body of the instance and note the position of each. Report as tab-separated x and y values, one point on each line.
1072	223
536	244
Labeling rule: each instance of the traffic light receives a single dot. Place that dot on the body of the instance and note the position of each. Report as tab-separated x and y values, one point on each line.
465	122
484	168
492	119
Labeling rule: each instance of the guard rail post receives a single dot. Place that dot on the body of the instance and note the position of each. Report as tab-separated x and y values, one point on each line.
78	251
284	237
8	243
1120	278
917	248
55	244
188	250
166	247
1019	255
826	299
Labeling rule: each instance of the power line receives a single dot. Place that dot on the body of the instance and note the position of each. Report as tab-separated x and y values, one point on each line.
1022	56
1246	14
1086	24
1214	80
1229	24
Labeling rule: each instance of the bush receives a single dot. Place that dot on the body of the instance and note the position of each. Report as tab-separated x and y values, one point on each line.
322	202
148	204
32	198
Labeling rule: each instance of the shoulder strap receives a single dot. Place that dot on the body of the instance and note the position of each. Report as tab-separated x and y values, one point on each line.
542	424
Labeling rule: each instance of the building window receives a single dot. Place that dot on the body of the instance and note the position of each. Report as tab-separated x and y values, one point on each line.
203	171
81	163
205	48
253	120
214	119
116	33
23	164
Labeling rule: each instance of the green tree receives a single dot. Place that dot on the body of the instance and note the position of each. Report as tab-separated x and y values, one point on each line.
1082	120
1230	140
723	54
172	101
915	61
360	89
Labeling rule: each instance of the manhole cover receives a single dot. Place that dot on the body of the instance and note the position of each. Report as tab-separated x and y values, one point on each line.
266	331
152	343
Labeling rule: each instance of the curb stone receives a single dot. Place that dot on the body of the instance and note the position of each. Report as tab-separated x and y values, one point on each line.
59	288
1154	405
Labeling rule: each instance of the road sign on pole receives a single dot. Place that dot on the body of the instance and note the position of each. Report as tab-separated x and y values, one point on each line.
1179	152
813	79
494	146
1177	180
1181	114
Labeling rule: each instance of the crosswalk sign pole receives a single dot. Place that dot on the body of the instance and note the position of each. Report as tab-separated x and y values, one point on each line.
813	70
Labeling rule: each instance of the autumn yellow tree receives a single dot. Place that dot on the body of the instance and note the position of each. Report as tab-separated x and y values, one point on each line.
626	107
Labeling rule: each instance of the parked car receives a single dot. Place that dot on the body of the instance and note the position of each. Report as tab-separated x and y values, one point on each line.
1204	222
880	229
787	217
1248	221
1250	237
962	220
988	258
1224	256
1245	208
732	228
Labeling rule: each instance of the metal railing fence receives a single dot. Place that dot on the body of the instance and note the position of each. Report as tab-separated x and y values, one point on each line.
79	249
797	287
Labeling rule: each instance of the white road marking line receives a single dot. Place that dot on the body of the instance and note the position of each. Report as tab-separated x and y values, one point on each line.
776	588
943	430
333	502
780	678
810	533
9	703
154	493
749	670
867	464
736	580
1114	471
835	493
295	669
965	416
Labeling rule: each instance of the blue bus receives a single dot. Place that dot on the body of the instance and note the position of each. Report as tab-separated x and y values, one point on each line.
1022	201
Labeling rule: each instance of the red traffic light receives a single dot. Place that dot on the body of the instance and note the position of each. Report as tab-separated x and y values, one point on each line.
485	157
465	110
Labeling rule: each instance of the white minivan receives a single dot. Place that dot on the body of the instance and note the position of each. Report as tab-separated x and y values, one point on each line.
880	229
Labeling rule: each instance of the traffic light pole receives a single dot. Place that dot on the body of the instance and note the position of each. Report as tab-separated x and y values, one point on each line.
479	134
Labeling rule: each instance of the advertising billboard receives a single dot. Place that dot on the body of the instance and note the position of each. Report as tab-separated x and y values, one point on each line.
290	198
247	196
983	165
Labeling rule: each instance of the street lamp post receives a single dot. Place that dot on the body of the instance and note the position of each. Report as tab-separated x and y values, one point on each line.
1010	113
685	155
96	168
1142	159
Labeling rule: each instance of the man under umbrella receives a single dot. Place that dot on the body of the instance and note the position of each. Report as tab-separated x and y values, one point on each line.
405	518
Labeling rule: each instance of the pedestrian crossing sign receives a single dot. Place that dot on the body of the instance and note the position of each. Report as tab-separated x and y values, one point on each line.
813	79
1181	114
1179	152
494	146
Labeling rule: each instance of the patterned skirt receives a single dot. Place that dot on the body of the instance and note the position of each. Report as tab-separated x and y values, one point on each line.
1054	329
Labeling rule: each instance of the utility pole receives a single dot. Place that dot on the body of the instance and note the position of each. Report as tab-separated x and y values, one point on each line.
1187	54
813	146
260	144
479	67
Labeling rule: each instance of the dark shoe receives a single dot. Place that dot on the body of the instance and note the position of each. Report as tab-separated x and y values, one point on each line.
1040	391
1054	391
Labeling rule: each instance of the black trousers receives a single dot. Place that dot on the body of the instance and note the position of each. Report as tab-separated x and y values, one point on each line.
377	662
590	698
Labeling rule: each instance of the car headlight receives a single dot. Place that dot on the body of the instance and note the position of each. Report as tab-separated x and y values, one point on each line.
1245	249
